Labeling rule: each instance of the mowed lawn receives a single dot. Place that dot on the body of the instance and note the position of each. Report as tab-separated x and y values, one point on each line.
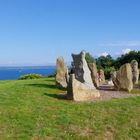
31	110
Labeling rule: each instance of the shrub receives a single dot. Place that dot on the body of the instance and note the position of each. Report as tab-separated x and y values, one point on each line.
51	76
30	76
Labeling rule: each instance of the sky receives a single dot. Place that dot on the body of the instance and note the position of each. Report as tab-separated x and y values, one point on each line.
36	32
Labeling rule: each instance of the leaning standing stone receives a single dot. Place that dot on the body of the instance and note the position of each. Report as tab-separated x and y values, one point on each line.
94	73
61	73
116	81
135	71
101	77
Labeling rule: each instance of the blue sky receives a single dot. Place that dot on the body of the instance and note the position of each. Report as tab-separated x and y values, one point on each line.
36	32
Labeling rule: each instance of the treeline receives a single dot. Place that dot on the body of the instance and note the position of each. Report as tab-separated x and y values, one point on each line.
109	64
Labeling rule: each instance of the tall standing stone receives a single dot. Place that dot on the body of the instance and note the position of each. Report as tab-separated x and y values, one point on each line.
61	73
116	81
101	77
81	69
94	73
135	71
122	79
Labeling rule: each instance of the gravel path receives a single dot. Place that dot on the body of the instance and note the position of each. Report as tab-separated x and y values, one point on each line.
107	93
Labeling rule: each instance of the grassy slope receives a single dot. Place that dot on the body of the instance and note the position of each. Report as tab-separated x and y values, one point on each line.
30	110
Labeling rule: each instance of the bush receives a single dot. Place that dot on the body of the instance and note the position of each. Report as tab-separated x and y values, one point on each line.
51	76
30	76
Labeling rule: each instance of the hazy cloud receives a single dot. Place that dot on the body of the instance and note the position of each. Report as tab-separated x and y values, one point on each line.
104	54
125	51
121	43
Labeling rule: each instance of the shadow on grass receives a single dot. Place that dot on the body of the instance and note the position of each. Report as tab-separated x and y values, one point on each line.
57	96
51	86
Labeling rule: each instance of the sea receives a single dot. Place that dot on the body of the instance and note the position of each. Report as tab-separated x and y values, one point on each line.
13	73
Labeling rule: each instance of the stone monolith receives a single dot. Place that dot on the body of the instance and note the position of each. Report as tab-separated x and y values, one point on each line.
61	73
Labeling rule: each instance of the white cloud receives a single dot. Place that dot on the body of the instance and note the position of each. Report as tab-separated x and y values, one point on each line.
125	51
121	43
104	54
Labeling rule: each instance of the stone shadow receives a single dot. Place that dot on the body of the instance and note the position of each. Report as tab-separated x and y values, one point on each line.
106	88
57	96
137	86
51	86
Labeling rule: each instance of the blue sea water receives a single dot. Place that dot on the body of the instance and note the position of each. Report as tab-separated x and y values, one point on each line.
13	73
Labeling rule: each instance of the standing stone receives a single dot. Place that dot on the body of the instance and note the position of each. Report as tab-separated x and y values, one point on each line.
94	74
116	82
110	83
61	73
122	79
101	77
135	71
81	69
79	91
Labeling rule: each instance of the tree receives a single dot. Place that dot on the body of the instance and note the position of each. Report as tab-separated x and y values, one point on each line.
127	58
106	63
90	58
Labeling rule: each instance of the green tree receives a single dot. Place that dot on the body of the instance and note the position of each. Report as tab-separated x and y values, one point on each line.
90	58
127	58
106	63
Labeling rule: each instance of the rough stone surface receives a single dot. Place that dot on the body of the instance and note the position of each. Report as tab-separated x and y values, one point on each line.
110	83
61	73
81	69
135	71
101	77
94	74
116	82
122	79
78	91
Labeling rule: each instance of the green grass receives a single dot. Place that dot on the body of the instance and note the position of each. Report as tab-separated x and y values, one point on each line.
31	110
135	91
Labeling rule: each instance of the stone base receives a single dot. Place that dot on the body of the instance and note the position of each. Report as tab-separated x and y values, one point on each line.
78	91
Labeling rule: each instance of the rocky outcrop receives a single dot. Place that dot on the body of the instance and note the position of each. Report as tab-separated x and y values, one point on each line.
81	69
94	74
122	79
78	91
61	73
135	71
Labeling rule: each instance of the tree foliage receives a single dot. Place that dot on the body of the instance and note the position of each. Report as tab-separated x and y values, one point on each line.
109	65
106	63
89	58
127	58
